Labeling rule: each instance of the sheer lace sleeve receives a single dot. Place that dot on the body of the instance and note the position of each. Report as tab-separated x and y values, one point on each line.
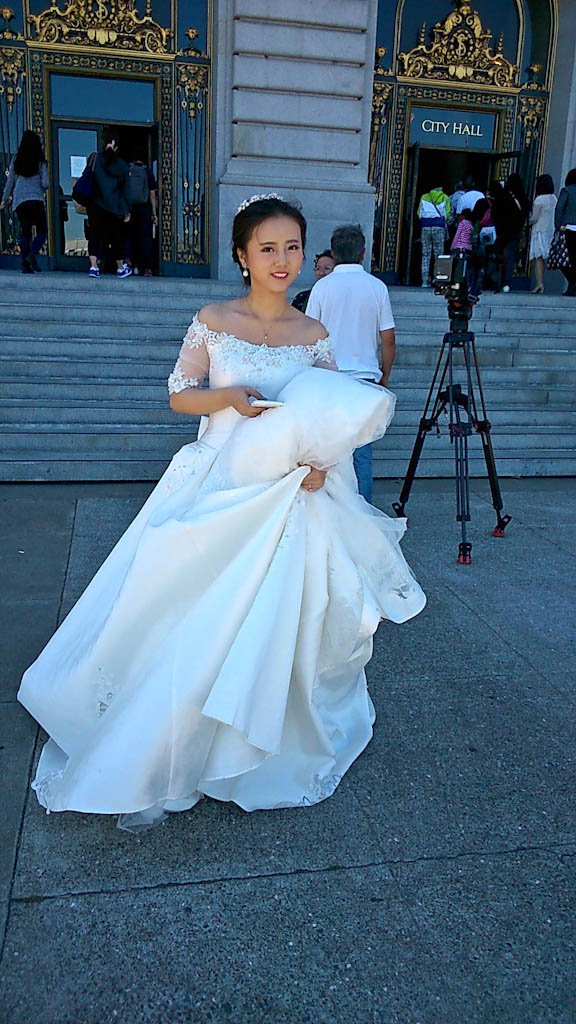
193	360
325	355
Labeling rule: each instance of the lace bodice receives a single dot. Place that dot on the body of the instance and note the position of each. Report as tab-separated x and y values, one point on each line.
230	361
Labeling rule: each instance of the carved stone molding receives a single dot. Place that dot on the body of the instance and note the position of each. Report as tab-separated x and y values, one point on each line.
460	51
114	24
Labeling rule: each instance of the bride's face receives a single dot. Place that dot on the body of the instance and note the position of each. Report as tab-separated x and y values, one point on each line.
274	254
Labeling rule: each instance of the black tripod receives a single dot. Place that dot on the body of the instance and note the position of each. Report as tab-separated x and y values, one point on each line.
463	422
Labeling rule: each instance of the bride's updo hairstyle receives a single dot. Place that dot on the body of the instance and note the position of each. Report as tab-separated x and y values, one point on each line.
251	213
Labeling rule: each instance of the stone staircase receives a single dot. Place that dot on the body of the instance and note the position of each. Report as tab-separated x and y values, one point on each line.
83	368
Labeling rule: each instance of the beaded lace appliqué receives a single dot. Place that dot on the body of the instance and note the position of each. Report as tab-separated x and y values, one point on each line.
257	354
178	381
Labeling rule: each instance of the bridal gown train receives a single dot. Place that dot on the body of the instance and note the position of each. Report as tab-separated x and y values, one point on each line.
220	649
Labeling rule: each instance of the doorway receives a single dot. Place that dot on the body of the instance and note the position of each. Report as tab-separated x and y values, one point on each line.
72	144
430	167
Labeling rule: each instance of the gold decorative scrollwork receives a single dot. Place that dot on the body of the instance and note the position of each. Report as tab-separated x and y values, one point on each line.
110	23
460	51
8	34
191	51
193	86
531	111
11	75
534	72
379	69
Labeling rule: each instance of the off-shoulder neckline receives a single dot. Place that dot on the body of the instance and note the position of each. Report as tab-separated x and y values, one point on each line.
255	344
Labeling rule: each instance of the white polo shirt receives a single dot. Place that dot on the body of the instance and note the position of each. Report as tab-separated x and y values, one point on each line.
468	200
354	307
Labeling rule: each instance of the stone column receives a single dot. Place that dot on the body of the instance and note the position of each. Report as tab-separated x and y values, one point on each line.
561	144
293	90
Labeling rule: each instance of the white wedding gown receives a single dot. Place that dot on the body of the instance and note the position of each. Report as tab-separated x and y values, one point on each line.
220	648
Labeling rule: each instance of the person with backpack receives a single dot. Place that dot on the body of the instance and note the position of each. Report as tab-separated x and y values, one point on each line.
142	198
434	214
26	185
108	210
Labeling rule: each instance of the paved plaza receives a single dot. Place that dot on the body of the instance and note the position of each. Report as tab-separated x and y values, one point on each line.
435	887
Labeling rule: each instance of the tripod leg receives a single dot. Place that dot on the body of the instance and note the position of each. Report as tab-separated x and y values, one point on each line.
425	426
501	520
462	486
399	505
483	427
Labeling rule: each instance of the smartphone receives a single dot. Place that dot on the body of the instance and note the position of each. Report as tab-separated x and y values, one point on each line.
265	403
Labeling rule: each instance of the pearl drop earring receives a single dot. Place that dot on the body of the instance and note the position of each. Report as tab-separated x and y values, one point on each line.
245	272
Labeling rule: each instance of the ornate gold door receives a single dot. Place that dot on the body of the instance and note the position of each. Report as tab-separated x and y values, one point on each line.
109	41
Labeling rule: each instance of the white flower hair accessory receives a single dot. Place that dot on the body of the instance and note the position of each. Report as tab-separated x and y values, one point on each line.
255	199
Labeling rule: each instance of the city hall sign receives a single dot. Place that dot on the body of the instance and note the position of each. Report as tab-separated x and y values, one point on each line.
452	130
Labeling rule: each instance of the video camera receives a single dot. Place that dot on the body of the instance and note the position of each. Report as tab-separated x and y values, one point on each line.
450	280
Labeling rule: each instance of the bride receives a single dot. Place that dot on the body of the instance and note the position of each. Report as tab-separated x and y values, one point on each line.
220	649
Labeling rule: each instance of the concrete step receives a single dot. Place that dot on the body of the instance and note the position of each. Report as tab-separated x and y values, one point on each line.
409	352
134	347
58	388
83	368
35	288
120	433
159	369
153	412
140	467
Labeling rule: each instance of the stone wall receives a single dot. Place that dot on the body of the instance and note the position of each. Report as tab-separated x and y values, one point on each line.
293	88
561	146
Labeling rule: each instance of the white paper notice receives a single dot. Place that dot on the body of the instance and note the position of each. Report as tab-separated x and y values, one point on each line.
77	165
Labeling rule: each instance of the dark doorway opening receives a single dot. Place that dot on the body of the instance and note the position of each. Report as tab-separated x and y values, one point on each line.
72	143
430	168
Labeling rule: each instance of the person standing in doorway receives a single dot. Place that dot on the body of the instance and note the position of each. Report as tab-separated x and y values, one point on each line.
542	224
142	198
355	308
108	210
434	214
470	196
453	217
510	214
26	185
565	219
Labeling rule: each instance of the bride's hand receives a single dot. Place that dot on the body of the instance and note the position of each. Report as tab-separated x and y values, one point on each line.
239	400
315	480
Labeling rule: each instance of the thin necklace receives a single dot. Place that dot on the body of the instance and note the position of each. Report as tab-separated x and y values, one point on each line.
259	318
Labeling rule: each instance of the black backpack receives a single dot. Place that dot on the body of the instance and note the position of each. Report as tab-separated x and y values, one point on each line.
137	190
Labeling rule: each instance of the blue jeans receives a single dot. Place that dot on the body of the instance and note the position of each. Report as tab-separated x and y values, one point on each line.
363	470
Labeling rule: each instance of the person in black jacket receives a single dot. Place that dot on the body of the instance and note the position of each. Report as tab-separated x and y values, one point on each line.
565	218
509	214
108	210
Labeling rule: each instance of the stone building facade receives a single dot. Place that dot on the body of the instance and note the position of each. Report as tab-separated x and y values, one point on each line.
352	106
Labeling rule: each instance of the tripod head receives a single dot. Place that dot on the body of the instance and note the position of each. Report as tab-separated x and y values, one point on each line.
450	281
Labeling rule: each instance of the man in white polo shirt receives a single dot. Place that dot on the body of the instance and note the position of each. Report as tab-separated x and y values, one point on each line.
355	309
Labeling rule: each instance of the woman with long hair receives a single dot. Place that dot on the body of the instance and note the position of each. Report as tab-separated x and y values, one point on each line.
565	219
220	649
108	209
27	185
542	224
